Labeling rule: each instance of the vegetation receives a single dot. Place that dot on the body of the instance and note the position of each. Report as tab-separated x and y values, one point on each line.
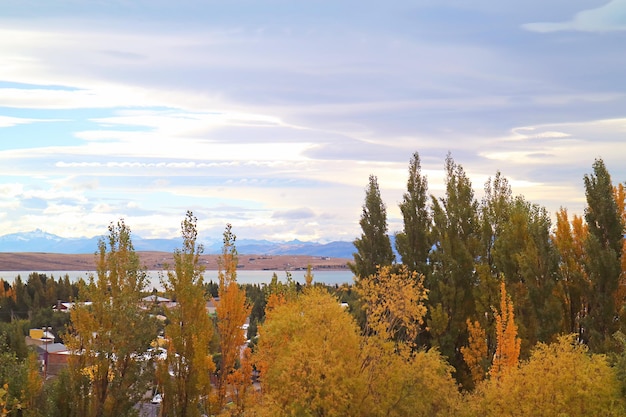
110	366
373	247
486	299
184	377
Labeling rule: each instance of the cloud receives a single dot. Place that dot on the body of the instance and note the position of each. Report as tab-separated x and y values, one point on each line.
608	18
6	121
294	214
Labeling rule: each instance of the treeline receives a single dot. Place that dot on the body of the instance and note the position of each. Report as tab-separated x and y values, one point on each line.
38	292
564	279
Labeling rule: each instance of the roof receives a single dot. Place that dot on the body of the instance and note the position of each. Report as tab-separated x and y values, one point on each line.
53	347
156	299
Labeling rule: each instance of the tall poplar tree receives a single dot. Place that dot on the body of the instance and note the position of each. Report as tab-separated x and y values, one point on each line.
373	247
603	248
110	366
524	252
232	311
494	214
573	286
185	375
414	242
457	240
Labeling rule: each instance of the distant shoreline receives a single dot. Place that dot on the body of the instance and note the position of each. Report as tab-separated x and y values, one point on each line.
42	262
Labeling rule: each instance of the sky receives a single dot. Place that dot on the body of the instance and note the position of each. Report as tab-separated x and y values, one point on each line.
271	115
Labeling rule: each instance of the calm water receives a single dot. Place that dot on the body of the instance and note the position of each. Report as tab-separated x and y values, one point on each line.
243	276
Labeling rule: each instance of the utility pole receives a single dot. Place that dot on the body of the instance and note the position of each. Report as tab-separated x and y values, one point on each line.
45	368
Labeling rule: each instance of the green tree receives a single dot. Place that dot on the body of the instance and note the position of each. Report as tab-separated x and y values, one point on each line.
188	333
12	338
603	249
110	369
23	302
414	242
524	253
22	383
373	247
456	234
36	286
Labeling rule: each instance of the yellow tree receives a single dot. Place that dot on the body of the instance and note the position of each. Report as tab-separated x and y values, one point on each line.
314	362
507	343
394	303
398	380
307	357
475	354
278	293
185	374
560	379
7	404
110	366
569	240
232	312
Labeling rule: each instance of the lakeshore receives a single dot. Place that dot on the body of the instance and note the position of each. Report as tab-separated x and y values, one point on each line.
155	261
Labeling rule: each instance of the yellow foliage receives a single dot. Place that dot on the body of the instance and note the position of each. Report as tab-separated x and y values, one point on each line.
314	362
475	354
273	302
307	355
394	303
232	311
399	382
508	344
561	379
569	240
4	411
188	333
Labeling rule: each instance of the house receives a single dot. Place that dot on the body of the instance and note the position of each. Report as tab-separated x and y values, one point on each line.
67	306
154	299
52	356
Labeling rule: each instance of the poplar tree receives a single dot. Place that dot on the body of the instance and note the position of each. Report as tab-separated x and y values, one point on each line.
619	193
185	374
110	366
525	254
232	311
573	285
373	247
603	248
414	242
451	285
508	345
494	214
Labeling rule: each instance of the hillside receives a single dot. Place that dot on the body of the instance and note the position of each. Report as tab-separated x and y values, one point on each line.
153	260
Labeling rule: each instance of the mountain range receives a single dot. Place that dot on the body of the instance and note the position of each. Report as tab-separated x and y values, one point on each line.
41	241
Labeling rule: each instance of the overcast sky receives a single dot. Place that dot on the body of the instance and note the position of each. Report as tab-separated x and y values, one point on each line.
270	115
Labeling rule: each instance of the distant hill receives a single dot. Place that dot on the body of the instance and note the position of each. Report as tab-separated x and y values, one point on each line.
40	241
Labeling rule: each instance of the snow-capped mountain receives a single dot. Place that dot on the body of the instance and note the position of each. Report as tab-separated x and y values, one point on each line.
41	241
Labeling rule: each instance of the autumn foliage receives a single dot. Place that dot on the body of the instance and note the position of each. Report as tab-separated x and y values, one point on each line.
507	343
475	354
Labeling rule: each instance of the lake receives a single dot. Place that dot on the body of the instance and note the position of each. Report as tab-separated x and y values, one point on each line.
330	277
